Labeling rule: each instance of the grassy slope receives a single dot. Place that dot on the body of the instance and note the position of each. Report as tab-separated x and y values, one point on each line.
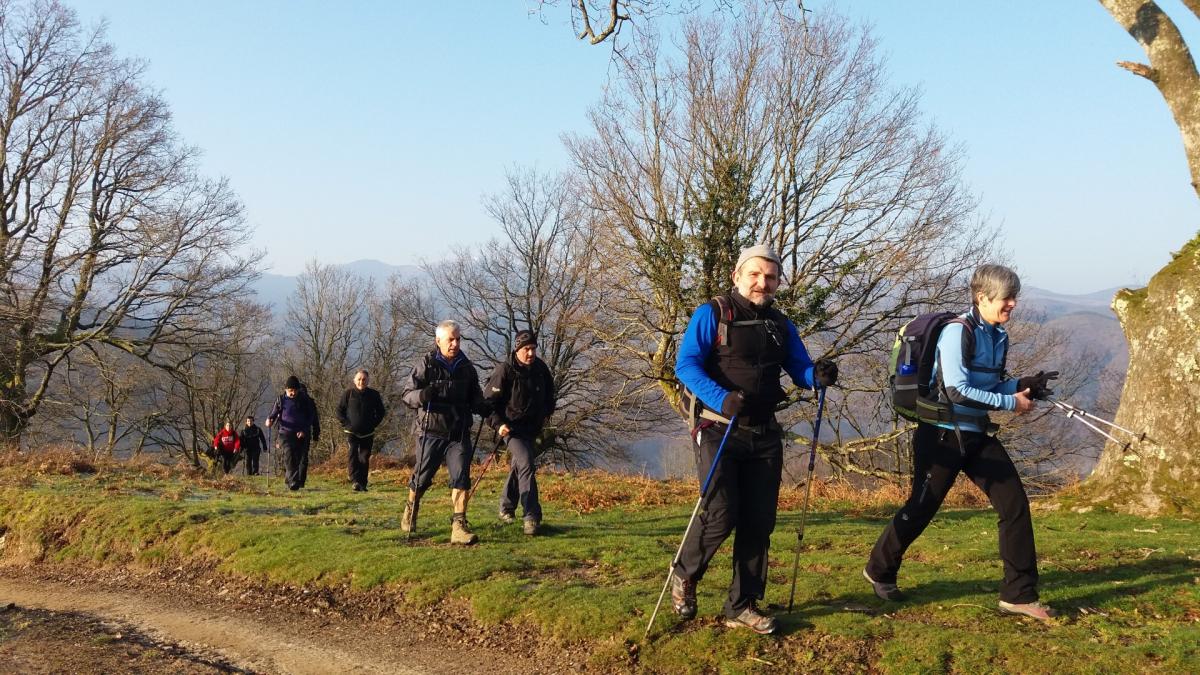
1129	586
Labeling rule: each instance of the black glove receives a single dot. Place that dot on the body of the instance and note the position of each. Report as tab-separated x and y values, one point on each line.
434	391
426	394
1038	385
733	404
825	373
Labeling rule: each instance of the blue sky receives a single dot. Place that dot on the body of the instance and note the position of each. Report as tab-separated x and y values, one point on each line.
372	129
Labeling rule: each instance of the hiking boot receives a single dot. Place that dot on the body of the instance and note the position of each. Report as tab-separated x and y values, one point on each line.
753	619
883	590
683	596
408	523
506	517
1034	610
460	530
531	526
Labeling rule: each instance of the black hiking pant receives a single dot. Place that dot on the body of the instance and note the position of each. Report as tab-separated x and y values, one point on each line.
360	458
295	458
228	461
521	484
252	462
743	497
937	461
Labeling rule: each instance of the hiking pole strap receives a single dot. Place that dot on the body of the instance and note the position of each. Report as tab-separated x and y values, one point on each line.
812	464
688	529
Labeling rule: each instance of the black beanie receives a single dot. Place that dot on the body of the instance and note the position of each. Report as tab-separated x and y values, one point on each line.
524	337
293	382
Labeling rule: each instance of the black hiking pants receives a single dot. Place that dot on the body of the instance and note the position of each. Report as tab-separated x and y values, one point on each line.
295	458
743	496
937	461
521	484
252	461
360	458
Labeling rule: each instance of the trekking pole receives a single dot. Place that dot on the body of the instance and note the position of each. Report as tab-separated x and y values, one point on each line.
1073	413
486	464
1067	406
679	551
270	452
812	463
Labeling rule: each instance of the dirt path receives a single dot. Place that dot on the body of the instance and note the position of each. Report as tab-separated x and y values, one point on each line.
229	632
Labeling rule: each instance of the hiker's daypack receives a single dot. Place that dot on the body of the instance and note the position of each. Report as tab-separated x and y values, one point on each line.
912	367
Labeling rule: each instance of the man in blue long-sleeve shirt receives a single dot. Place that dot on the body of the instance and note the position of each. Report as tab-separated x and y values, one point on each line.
732	365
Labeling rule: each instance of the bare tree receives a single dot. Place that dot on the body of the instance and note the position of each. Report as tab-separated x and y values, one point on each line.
326	328
1160	395
546	274
108	236
774	131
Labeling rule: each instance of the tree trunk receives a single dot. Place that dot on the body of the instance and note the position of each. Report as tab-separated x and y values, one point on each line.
1161	397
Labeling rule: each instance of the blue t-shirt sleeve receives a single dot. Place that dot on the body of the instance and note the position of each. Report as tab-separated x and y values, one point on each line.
693	351
955	375
798	365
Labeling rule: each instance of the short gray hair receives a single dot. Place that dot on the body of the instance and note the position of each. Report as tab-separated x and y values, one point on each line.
994	281
447	327
361	371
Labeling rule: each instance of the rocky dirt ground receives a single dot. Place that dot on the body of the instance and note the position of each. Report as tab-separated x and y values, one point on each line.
58	619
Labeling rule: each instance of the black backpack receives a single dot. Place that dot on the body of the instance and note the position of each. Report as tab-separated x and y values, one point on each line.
912	367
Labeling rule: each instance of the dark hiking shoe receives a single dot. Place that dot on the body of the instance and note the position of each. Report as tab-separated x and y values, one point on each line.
460	531
359	487
506	517
885	591
408	522
753	619
531	526
1034	610
683	596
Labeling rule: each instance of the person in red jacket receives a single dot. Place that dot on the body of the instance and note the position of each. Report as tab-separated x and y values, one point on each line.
228	446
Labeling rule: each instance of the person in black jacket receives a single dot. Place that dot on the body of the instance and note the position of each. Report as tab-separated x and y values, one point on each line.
253	443
360	412
521	395
296	414
444	389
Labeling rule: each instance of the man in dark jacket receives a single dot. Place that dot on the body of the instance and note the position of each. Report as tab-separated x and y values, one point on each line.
253	443
444	389
299	424
360	412
521	396
731	358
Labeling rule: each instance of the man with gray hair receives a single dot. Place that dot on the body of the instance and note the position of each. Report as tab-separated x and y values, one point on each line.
360	411
444	388
731	358
969	370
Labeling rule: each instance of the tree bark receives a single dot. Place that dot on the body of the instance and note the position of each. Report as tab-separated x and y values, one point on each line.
1161	397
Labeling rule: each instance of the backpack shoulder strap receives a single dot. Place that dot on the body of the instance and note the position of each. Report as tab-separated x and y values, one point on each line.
724	318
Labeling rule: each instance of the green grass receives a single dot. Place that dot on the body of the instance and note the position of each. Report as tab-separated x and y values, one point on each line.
1129	587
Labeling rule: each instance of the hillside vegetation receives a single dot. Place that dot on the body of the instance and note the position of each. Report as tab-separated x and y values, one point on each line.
1128	587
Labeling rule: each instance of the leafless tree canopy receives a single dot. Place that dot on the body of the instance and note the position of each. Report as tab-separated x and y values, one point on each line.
766	130
109	238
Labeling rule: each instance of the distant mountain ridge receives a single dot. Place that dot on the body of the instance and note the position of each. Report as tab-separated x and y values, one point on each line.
274	289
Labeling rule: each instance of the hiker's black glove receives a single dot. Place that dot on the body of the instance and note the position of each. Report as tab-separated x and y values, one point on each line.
1038	385
434	391
825	373
733	404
